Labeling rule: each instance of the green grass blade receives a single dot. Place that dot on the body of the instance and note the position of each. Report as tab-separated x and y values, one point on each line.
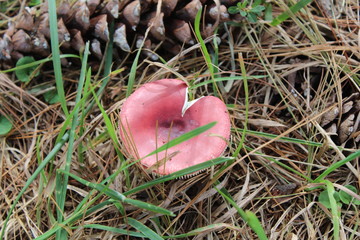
183	138
118	196
249	217
107	71
106	181
214	53
132	74
56	55
211	227
202	43
68	120
115	230
194	232
84	206
78	211
337	165
292	10
148	206
284	139
255	225
112	133
108	63
109	127
204	50
62	180
179	174
334	209
72	219
83	114
147	232
41	166
38	62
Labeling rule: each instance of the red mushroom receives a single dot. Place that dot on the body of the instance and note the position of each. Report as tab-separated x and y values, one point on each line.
154	114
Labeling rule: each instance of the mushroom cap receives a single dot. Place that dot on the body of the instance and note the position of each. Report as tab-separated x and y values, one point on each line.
152	116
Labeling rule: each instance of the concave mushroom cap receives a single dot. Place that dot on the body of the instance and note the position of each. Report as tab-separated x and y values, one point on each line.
154	109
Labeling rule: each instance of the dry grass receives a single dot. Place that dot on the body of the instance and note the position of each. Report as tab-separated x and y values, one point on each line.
310	65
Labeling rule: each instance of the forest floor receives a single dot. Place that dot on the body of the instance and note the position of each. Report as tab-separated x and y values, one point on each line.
291	168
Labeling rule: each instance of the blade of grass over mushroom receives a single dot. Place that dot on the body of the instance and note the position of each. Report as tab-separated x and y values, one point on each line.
292	10
62	180
248	216
112	229
179	174
169	177
336	165
118	196
183	138
147	232
31	179
56	54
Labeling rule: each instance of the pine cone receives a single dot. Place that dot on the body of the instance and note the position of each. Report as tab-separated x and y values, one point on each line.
344	123
87	20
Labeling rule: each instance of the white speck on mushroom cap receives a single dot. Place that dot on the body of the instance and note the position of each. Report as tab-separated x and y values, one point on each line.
152	115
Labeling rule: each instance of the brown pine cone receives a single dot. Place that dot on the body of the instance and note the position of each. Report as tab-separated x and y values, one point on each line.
87	20
344	123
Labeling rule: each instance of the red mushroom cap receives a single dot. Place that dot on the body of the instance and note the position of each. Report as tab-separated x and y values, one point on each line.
154	109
